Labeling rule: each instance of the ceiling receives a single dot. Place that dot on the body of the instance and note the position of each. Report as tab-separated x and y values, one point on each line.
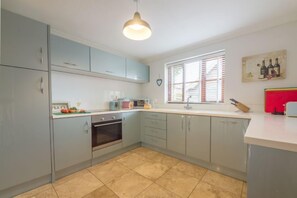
176	24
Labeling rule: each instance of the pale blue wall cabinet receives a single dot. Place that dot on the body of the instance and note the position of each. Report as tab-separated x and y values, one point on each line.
131	128
107	63
176	133
227	146
70	54
24	126
72	141
198	137
23	42
137	71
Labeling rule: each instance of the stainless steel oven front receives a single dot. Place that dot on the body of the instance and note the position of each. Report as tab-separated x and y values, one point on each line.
106	130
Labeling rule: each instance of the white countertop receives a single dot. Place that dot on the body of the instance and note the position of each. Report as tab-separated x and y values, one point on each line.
274	131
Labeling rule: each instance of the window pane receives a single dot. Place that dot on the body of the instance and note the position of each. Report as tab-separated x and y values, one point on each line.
192	71
177	74
192	89
211	69
177	93
211	91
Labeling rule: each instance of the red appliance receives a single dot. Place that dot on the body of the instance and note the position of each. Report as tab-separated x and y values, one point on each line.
276	99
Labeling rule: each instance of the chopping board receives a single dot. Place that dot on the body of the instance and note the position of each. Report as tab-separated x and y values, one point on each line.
276	98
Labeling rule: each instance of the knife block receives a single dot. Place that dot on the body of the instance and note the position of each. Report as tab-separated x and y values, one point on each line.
242	107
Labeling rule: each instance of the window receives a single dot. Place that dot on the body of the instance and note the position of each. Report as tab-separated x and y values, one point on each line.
200	78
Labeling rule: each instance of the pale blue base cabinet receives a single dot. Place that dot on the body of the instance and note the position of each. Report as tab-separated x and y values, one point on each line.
272	173
198	137
154	129
189	135
72	142
131	128
24	130
228	149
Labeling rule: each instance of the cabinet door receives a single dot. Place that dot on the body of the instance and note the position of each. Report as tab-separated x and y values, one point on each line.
131	128
137	71
23	42
72	141
107	63
227	146
24	126
198	137
176	135
70	54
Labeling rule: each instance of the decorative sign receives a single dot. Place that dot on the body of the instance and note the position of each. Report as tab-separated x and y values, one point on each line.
263	67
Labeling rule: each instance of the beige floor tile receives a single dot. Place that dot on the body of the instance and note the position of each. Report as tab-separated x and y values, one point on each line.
156	191
151	170
178	183
145	152
129	185
133	160
205	190
77	186
224	182
46	191
165	160
108	171
244	190
123	155
190	169
103	192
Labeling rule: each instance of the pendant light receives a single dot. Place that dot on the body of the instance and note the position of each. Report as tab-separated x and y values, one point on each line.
136	28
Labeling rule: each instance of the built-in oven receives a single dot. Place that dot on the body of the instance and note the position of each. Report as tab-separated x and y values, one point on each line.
106	130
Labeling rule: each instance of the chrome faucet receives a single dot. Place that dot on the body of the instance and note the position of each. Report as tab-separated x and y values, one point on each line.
188	103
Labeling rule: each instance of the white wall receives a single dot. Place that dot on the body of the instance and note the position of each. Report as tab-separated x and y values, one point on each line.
93	93
252	94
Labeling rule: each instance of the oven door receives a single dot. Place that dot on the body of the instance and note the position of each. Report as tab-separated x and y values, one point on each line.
106	133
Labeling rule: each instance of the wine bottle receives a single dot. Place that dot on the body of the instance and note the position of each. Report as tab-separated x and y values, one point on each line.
263	70
270	68
277	68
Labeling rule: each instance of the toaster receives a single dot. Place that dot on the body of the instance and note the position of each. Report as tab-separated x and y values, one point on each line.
291	109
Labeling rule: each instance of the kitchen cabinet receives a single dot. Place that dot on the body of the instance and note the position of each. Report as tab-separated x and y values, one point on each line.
23	42
189	135
227	146
70	54
24	125
154	129
131	128
107	63
176	133
137	71
198	137
72	141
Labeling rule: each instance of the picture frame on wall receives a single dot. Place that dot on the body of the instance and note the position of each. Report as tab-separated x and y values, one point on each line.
264	67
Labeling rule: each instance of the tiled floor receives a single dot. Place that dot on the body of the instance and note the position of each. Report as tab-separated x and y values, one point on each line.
143	173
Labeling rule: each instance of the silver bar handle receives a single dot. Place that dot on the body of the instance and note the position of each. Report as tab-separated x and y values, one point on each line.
72	64
99	125
41	85
108	71
182	122
41	52
189	123
87	127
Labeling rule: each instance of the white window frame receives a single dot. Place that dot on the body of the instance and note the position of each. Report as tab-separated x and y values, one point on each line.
193	59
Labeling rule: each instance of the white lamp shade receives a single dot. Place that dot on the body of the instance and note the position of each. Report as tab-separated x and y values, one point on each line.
137	29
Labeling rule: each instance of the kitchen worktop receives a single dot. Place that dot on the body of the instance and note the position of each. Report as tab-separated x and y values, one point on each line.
274	131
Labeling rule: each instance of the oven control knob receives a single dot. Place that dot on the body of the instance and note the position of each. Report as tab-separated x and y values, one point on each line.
102	119
113	117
